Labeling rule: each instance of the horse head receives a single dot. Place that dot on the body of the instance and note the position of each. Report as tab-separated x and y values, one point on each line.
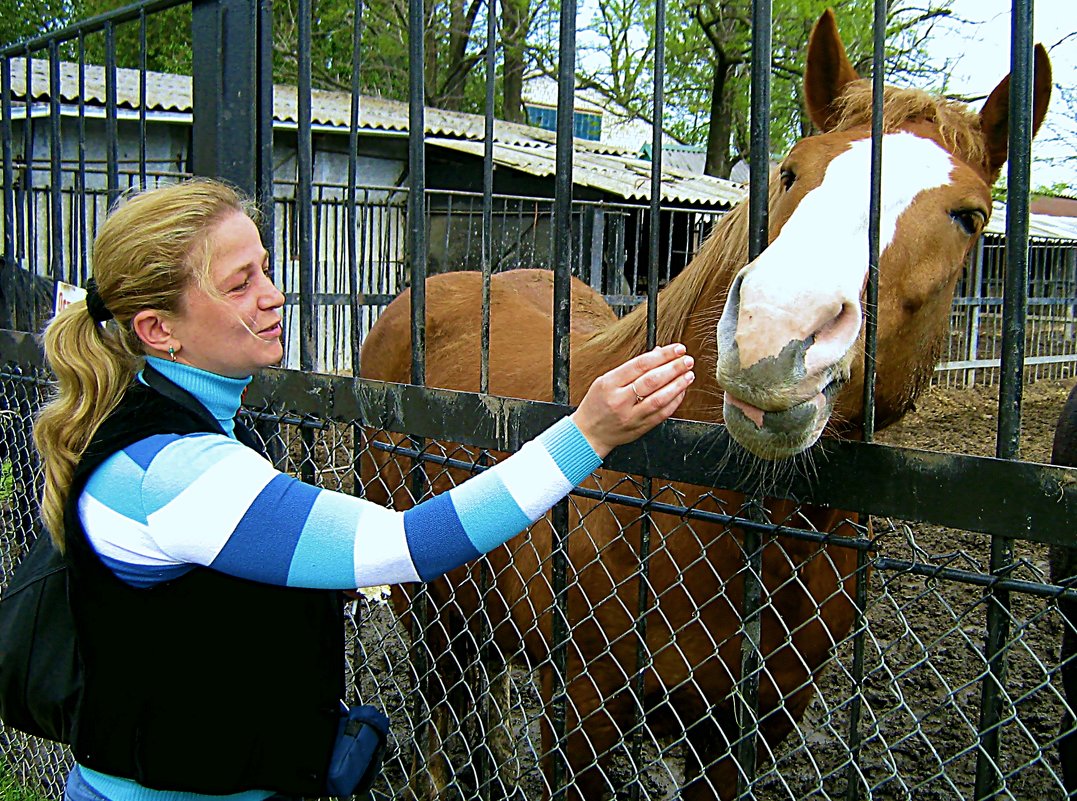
790	337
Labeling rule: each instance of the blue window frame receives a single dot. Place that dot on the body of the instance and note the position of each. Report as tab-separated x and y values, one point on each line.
585	125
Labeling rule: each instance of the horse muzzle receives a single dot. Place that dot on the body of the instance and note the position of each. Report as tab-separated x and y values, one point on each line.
781	433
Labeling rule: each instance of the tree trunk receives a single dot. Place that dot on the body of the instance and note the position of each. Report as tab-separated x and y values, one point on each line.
717	164
515	16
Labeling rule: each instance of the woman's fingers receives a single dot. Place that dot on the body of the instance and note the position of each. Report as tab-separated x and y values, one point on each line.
668	395
636	368
660	377
633	398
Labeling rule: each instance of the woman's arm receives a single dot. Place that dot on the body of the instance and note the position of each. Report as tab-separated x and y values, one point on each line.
207	500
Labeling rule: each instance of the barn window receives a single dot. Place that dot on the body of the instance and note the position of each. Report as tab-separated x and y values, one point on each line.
585	125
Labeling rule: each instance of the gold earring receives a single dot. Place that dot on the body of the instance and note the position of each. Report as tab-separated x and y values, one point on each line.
172	353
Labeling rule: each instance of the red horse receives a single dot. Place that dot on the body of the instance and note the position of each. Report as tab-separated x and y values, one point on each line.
778	348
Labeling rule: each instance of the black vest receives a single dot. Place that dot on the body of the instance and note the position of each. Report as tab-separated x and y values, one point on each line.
207	683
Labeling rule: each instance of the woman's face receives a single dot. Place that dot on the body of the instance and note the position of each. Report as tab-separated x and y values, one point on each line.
238	331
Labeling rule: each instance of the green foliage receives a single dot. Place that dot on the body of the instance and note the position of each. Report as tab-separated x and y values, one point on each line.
11	789
25	19
7	481
708	63
168	37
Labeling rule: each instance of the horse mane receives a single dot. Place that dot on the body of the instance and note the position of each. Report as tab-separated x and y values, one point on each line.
958	125
723	253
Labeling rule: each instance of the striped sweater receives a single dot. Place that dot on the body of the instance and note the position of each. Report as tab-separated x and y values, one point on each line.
161	506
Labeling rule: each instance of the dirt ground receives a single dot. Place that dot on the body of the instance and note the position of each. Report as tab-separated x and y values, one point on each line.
965	420
924	655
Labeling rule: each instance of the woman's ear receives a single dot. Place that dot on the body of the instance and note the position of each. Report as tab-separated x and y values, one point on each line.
154	328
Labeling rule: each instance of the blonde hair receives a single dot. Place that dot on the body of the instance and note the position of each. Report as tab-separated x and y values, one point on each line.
150	249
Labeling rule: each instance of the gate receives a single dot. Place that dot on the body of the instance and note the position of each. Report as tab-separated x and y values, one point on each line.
947	683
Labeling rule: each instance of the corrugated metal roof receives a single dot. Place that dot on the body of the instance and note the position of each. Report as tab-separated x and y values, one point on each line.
623	176
171	92
603	167
608	168
1040	226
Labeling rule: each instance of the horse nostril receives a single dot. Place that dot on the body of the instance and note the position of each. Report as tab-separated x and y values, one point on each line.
831	342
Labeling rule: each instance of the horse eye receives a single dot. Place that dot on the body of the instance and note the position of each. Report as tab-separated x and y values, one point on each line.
970	220
788	178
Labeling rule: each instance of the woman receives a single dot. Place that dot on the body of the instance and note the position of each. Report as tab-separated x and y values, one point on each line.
202	578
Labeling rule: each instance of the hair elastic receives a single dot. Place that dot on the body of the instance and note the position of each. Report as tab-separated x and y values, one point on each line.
95	305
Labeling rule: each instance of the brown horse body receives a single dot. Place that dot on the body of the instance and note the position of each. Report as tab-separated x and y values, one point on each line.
696	569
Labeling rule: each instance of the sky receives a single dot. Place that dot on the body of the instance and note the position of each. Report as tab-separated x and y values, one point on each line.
978	57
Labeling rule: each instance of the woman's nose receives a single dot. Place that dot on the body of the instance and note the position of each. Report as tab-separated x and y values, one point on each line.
272	297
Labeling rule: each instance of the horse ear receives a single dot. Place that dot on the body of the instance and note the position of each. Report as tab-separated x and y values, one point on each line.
827	71
995	115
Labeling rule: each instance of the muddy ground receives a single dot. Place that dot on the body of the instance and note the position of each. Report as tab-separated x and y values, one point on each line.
923	656
925	652
922	662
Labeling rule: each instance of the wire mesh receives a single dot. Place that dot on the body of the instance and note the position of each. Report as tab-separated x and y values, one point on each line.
481	688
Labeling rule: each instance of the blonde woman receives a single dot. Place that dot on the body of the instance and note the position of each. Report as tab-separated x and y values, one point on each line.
202	578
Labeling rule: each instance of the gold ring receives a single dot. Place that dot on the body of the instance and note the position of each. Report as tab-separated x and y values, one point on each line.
632	387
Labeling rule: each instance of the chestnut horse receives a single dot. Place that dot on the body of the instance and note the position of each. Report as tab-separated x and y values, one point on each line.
783	363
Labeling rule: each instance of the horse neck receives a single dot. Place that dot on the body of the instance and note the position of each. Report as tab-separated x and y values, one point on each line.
688	311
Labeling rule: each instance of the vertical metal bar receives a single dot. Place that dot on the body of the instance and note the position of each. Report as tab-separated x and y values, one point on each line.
308	332
27	312
304	199
562	311
80	173
643	595
56	209
975	309
871	328
488	197
264	185
417	241
7	312
418	252
871	305
142	98
485	769
112	157
353	170
1007	445
562	212
747	699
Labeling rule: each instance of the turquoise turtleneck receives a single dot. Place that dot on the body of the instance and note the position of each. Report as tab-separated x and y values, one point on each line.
221	395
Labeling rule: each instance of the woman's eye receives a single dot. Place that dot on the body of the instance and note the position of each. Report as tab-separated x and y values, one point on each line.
970	220
788	178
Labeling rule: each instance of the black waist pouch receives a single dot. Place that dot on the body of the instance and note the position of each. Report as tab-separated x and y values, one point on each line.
358	751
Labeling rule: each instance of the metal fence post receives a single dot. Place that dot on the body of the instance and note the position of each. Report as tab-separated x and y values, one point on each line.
226	136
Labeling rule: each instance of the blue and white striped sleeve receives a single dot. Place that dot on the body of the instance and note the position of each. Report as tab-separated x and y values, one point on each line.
207	500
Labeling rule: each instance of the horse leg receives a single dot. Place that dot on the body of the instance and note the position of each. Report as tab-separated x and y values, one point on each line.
499	735
709	769
430	770
595	731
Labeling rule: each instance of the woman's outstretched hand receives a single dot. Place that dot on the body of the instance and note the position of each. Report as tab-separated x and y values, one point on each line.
630	400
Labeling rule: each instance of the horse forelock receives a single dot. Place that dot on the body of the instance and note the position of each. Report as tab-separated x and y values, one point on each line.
957	124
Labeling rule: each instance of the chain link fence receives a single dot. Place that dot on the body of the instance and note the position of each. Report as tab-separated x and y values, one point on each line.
870	668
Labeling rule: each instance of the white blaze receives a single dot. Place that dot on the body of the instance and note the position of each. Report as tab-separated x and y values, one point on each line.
819	262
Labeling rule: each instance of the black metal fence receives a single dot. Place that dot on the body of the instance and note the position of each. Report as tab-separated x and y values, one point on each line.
941	678
610	256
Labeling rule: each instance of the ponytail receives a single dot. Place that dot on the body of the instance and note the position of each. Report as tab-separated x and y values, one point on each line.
149	250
